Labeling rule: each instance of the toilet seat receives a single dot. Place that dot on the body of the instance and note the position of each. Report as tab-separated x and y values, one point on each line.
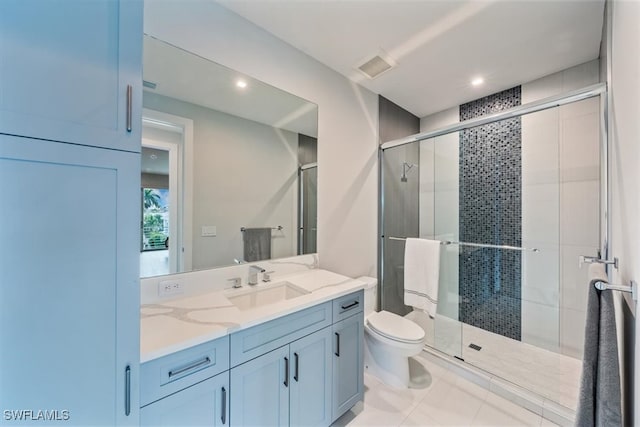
395	328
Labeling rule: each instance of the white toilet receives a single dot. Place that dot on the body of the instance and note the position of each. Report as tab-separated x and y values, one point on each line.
389	340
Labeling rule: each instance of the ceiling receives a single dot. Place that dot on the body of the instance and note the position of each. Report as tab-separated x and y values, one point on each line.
439	46
154	161
188	77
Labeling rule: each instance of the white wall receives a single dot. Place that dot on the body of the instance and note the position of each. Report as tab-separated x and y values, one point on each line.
347	123
624	131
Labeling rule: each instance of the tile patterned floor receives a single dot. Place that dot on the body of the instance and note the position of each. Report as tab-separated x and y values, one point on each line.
551	375
440	398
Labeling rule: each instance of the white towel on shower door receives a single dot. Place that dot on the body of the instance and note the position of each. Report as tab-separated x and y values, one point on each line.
421	274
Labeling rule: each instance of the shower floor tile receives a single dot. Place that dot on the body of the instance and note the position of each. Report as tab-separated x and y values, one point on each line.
548	374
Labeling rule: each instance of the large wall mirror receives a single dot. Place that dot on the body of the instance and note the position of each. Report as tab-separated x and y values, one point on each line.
229	166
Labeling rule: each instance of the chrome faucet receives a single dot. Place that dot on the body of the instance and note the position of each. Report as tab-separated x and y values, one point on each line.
253	274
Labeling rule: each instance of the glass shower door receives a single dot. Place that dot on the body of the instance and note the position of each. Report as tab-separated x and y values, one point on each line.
307	208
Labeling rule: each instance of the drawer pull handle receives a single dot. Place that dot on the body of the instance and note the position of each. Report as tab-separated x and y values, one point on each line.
353	304
127	390
286	372
337	353
223	418
194	365
129	107
295	375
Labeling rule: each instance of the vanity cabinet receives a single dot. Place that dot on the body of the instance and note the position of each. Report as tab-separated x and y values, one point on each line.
260	390
287	386
69	297
203	404
187	388
348	364
301	369
70	71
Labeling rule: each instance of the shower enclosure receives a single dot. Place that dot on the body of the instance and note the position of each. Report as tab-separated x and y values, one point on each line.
516	192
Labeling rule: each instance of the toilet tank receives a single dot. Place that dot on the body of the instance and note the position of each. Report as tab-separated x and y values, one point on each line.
370	294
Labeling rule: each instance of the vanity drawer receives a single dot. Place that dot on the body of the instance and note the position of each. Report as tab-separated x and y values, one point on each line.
174	372
253	342
348	305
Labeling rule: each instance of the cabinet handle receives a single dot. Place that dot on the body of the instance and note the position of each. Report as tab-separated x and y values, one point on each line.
337	353
295	375
129	107
347	307
127	390
194	365
223	418
286	372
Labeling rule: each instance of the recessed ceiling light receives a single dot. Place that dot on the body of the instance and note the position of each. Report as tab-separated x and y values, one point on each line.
477	81
241	84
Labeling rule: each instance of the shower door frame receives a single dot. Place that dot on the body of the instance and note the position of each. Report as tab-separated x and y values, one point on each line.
599	89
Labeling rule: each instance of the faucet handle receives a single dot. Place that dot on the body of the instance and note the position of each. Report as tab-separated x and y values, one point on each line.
266	276
237	282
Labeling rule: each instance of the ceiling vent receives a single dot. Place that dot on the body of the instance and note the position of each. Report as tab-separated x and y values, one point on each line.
377	65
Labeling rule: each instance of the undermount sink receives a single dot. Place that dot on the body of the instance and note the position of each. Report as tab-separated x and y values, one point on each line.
264	295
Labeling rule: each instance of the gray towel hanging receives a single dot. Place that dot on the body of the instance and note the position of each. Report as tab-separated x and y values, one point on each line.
599	401
257	244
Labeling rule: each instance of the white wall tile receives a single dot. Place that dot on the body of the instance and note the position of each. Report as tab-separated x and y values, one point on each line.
575	278
580	213
540	325
541	274
571	334
439	120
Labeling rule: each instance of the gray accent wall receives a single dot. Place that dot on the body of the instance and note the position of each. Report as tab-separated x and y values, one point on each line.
401	199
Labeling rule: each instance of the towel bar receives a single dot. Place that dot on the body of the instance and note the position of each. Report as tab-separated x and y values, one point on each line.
633	288
477	245
273	228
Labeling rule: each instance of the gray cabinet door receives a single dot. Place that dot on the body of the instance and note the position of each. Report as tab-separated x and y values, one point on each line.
69	286
260	390
68	69
348	380
202	404
310	372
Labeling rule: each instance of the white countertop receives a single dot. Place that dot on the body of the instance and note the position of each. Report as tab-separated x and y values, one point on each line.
180	323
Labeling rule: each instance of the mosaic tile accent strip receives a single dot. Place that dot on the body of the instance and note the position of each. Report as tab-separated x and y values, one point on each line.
491	212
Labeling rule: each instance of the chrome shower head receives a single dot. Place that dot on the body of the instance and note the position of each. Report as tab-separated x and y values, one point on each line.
406	167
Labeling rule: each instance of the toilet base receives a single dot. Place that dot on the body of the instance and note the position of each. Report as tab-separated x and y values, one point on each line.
390	367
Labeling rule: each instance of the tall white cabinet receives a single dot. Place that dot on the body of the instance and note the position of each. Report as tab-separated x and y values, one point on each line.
70	103
70	71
